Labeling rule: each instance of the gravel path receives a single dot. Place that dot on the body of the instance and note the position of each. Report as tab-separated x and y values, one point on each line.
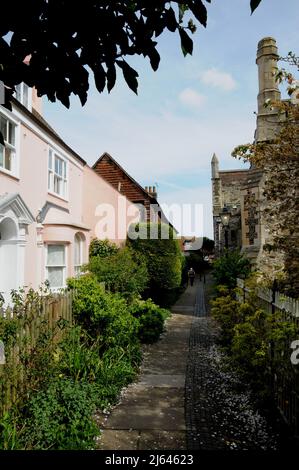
218	415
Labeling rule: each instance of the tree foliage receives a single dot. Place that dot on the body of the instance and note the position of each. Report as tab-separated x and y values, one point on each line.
229	267
66	40
254	4
208	246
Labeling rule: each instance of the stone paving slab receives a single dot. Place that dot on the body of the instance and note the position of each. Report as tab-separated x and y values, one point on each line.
179	368
119	440
151	414
183	309
143	440
141	417
162	440
152	395
160	380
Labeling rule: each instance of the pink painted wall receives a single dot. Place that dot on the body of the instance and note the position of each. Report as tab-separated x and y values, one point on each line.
101	200
32	185
36	101
87	192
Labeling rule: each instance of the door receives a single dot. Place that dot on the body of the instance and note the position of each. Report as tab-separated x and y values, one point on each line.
8	257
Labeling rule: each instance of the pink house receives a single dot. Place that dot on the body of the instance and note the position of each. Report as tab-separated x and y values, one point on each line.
51	202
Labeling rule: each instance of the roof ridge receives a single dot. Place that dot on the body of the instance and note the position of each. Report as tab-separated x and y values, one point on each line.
106	154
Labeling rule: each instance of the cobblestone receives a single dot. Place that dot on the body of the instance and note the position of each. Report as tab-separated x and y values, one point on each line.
218	415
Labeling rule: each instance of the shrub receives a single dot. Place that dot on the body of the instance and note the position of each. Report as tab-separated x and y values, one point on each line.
104	316
124	272
250	347
71	371
9	434
60	417
77	357
256	341
118	368
151	319
89	304
102	248
225	310
163	258
229	267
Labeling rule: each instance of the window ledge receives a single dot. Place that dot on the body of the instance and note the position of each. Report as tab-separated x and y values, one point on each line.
9	173
58	196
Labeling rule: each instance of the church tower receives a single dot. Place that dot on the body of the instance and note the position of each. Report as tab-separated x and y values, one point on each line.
267	117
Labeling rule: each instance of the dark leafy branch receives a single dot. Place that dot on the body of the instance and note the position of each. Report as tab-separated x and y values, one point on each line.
64	41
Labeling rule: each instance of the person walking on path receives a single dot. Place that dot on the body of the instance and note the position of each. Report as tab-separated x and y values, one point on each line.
191	276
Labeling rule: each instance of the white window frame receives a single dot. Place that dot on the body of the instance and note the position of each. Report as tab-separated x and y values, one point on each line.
77	267
21	98
15	161
64	266
51	174
21	117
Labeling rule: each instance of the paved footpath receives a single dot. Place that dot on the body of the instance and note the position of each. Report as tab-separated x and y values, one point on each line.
151	414
183	400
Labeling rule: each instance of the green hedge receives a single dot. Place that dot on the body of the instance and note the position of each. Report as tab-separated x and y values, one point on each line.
163	258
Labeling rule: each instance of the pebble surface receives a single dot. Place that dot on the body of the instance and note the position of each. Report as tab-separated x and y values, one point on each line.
218	415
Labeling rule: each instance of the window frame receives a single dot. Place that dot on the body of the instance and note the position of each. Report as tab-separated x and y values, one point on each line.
20	91
64	266
78	236
15	148
51	173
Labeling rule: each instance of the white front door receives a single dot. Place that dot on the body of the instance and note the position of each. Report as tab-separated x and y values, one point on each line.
8	257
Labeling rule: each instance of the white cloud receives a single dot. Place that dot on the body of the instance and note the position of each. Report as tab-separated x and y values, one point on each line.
191	98
215	78
154	145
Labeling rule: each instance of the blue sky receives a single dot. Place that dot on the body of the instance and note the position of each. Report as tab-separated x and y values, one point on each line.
187	110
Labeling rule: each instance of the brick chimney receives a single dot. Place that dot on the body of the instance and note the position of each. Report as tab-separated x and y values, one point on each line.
152	191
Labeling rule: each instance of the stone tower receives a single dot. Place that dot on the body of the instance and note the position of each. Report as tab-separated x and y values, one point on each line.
267	117
216	185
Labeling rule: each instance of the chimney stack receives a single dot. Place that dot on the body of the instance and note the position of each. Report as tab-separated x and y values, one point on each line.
152	191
